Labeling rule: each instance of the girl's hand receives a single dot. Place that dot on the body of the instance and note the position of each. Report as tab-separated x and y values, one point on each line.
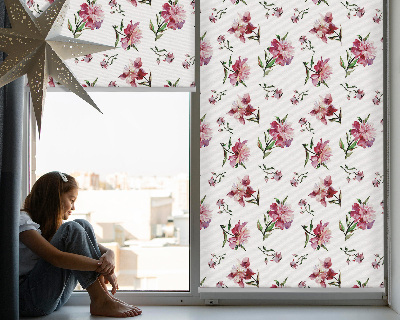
112	279
107	263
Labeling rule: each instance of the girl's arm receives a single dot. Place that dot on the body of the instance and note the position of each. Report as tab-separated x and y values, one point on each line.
107	260
65	260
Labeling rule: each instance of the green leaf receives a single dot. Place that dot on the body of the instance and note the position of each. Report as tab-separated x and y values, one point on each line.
307	157
229	224
259	226
353	227
260	63
341	227
348	236
341	144
270	227
151	26
307	239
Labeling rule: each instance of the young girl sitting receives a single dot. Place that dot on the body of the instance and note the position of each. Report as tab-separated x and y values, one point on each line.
54	255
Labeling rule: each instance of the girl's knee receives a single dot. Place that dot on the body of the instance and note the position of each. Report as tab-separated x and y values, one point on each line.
72	226
85	224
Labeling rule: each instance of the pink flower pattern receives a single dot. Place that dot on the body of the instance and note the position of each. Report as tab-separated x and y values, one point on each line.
174	15
92	15
132	35
283	110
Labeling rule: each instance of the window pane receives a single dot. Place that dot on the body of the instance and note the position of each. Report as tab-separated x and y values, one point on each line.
132	166
292	144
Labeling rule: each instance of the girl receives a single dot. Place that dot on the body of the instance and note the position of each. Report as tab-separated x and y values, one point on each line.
54	256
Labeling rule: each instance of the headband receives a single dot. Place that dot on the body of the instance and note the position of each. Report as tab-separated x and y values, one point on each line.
63	177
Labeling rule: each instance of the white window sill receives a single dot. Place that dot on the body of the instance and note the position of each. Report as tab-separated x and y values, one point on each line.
239	312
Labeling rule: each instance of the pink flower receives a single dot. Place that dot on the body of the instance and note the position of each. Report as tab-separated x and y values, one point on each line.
376	101
359	176
322	72
303	121
323	27
360	94
241	153
278	12
221	121
205	216
51	82
322	154
375	264
295	18
206	52
323	108
241	190
92	15
360	12
205	134
278	93
133	72
30	3
242	26
112	84
221	39
241	272
212	100
302	39
277	257
169	57
359	257
322	235
240	235
241	108
363	215
302	202
87	58
364	133
294	100
220	203
241	71
302	284
212	264
104	64
323	190
112	3
277	175
174	15
282	51
282	215
133	2
376	19
282	133
220	284
364	51
212	18
293	264
185	64
376	183
132	35
323	272
211	182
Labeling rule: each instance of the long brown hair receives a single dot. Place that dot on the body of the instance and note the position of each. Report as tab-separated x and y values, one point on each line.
43	203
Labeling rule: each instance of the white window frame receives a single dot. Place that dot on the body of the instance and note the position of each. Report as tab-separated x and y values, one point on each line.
282	296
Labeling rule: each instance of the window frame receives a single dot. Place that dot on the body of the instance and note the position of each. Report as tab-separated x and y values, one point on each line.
198	296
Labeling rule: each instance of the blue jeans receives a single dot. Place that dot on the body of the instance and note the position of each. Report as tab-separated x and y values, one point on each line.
47	288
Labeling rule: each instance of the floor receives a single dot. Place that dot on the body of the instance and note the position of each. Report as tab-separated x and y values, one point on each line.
239	312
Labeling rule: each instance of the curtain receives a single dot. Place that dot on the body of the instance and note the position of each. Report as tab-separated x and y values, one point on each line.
291	140
11	110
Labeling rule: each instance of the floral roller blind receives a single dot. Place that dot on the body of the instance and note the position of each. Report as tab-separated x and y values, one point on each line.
154	41
291	142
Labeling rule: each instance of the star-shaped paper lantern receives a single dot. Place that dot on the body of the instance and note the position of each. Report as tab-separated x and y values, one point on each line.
35	48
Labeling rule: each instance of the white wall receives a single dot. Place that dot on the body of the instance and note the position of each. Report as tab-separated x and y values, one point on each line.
394	63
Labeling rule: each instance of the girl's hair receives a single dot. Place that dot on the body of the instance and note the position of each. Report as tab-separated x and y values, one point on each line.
43	203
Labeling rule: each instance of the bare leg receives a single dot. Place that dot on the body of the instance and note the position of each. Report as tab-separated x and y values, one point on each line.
101	279
102	304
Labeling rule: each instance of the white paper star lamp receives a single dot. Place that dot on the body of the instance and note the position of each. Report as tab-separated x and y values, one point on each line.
35	48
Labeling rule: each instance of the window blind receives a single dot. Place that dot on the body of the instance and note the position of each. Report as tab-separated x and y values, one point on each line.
154	41
291	138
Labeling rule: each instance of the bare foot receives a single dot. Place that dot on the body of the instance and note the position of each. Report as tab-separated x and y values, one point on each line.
101	279
109	307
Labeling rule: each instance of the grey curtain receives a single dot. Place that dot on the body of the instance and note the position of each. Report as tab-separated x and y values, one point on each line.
11	111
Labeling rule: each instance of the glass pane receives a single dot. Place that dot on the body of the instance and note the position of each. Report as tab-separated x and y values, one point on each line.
132	166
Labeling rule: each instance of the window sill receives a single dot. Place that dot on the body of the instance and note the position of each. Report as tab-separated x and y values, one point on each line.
239	312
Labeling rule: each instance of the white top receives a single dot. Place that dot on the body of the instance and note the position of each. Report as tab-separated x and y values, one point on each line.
27	259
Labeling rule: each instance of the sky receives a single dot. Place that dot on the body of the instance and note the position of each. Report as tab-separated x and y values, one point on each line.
140	133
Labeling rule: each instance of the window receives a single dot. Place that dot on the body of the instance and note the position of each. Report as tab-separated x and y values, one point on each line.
132	166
